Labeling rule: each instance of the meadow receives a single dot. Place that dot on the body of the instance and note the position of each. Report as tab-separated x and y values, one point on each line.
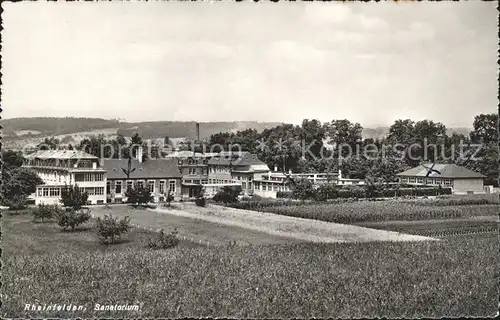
42	264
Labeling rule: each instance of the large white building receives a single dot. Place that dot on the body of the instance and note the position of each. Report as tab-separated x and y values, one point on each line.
461	180
58	168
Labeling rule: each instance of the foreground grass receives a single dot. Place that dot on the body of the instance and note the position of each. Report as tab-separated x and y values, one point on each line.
415	279
363	211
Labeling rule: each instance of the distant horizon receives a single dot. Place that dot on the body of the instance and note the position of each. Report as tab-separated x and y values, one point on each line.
373	126
371	63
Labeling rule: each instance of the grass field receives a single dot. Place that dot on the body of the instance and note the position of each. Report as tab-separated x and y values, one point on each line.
196	230
41	264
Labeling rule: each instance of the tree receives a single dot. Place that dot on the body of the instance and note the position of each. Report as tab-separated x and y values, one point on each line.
343	132
12	158
74	197
108	229
485	128
302	189
71	218
138	195
49	144
169	197
18	183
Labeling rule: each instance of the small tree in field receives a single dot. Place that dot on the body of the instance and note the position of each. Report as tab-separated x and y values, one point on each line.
44	212
70	218
109	229
169	197
164	240
74	197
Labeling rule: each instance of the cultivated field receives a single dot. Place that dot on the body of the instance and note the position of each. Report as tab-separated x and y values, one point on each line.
364	211
391	279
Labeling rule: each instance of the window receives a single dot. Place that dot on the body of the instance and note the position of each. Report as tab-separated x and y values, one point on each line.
171	185
79	177
130	185
420	180
108	187
100	201
99	176
243	185
250	185
192	171
162	186
430	181
151	186
412	180
447	182
140	184
118	187
90	191
39	192
264	187
239	178
99	191
45	192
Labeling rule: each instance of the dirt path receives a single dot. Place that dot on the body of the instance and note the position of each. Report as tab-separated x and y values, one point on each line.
290	227
192	229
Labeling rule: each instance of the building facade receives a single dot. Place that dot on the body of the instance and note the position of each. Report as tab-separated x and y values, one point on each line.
236	168
160	176
60	168
461	180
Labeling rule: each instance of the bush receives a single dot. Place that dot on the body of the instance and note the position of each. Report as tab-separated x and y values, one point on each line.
108	229
44	212
164	240
201	202
138	195
228	194
70	218
325	191
17	202
303	189
284	194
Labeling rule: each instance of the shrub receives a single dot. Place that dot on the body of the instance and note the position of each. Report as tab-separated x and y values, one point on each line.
284	194
201	202
164	240
303	189
108	229
70	218
44	212
228	194
16	202
325	191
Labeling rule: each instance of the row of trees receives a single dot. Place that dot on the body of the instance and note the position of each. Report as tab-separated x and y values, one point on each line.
317	147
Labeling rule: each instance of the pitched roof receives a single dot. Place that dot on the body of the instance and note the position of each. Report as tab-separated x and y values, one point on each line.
241	159
153	168
451	171
61	154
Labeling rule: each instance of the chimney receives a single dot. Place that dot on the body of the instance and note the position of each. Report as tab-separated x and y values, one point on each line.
197	132
275	168
139	154
289	171
340	174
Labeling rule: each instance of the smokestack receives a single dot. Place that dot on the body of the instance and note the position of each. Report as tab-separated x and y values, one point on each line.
197	132
140	153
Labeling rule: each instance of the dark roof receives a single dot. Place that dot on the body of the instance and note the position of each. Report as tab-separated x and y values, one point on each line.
240	159
450	171
152	168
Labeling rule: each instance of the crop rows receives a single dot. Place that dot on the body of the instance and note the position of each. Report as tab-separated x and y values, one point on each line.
377	211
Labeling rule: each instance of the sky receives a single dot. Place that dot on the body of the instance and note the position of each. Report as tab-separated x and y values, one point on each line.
371	63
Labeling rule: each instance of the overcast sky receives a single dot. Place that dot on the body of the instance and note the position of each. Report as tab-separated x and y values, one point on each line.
368	62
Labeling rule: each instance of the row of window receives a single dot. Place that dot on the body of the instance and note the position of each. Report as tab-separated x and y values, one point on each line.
89	177
140	184
271	187
56	192
194	171
432	181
